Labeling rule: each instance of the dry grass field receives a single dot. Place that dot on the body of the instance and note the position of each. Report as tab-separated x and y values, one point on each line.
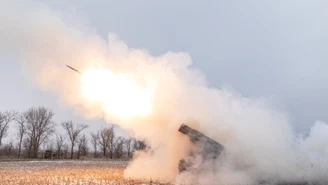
65	173
74	173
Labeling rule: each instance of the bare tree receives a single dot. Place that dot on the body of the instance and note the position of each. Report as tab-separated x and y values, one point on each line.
48	145
73	130
59	144
94	141
118	147
20	121
128	145
5	118
26	145
39	126
9	148
139	145
65	150
106	136
83	146
111	143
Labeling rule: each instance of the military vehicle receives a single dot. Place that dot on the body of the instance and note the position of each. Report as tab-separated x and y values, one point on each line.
208	148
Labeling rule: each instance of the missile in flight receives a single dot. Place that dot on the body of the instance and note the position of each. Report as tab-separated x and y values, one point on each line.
72	68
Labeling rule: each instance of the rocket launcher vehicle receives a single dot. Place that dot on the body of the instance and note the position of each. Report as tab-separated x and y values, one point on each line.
209	148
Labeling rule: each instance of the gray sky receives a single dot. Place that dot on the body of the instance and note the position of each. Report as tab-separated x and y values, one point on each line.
260	48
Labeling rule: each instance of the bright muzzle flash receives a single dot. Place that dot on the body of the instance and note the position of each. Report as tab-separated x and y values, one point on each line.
118	95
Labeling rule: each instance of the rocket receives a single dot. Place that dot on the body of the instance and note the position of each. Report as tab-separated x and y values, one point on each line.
72	68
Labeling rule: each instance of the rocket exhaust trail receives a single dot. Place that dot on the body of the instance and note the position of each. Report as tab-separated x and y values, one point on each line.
74	69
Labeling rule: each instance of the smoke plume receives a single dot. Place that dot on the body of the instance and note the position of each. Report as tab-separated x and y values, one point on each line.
259	141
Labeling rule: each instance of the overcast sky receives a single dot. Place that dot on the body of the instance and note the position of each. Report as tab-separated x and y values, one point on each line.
260	48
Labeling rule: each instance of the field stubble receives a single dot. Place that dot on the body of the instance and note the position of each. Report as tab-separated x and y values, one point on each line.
65	173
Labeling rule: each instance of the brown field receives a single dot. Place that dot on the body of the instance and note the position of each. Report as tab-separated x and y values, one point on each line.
65	173
73	173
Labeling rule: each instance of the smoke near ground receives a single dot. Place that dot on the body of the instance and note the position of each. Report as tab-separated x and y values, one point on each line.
260	143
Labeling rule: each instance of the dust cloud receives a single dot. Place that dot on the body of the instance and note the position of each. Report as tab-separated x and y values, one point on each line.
260	144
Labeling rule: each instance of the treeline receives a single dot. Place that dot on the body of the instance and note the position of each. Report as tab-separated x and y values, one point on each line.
36	136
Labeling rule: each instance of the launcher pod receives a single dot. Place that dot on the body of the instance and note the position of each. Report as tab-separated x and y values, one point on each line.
205	146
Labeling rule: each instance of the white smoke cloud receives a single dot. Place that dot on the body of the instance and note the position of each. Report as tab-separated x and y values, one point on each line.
259	141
